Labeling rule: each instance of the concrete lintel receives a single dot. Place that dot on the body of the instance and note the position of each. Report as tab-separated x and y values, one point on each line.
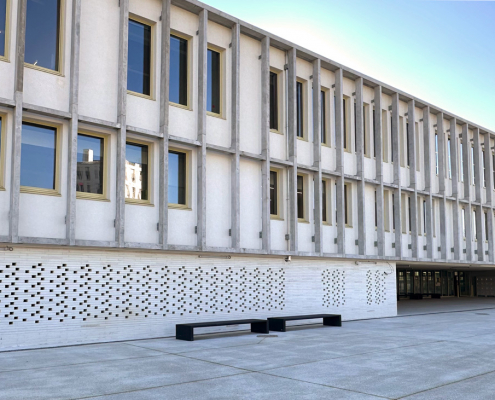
219	149
181	140
7	103
98	122
253	156
144	132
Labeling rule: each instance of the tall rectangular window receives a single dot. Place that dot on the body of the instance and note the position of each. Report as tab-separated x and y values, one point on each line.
213	82
493	168
324	201
335	120
38	156
273	193
43	26
3	29
463	220
376	212
273	101
486	227
392	140
393	211
344	117
178	87
436	153
300	109
323	122
347	205
136	172
473	170
409	212
300	197
90	164
475	233
1	154
386	209
365	132
139	62
461	162
355	126
484	168
408	156
177	177
449	158
424	217
375	141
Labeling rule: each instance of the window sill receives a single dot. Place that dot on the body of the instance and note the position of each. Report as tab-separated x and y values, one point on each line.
215	115
181	106
4	59
91	196
326	145
276	218
137	202
304	139
276	131
40	191
348	226
143	96
42	69
172	206
326	223
302	221
2	189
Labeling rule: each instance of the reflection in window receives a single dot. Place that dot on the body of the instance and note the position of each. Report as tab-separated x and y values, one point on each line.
300	197
299	109
3	27
136	171
139	62
43	33
38	156
273	101
273	193
90	153
176	177
213	84
178	70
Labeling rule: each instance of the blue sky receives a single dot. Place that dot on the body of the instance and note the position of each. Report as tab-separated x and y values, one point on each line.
440	51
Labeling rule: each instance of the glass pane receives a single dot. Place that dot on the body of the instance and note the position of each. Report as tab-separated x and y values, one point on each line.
323	118
90	153
176	177
136	171
139	63
3	19
300	197
273	101
178	70
43	33
38	151
300	110
213	84
273	193
324	201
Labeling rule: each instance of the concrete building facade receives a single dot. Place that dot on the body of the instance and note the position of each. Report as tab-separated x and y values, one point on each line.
309	206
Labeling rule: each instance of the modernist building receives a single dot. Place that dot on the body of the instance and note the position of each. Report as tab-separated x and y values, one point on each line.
162	162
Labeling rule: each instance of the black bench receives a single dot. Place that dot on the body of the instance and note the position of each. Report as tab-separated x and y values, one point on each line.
186	331
416	296
436	296
278	323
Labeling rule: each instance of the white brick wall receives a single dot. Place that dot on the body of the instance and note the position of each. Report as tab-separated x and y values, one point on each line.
54	297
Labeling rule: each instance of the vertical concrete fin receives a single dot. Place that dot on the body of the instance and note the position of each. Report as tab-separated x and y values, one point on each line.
292	139
454	151
466	151
397	176
265	141
317	154
380	231
339	148
361	192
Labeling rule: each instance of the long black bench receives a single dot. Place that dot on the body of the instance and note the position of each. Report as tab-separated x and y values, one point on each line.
278	323
186	331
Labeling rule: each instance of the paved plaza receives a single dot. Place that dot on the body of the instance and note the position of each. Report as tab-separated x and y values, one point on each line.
447	355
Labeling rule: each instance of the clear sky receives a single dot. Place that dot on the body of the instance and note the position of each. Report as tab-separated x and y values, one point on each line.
440	51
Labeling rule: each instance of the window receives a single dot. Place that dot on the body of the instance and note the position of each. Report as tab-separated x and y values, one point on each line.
43	34
276	194
344	111
386	208
424	217
375	141
418	150
177	178
493	169
391	141
4	20
347	205
473	170
436	153
365	131
403	211
393	211
90	166
475	235
418	215
178	88
376	212
39	158
408	156
409	211
486	227
323	121
402	150
273	101
463	220
324	201
300	109
449	159
461	162
484	168
213	82
385	137
355	126
137	172
139	64
300	197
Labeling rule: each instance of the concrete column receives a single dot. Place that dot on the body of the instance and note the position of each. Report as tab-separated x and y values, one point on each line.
454	152
397	178
122	120
361	186
428	168
317	154
201	151
478	168
468	213
466	151
479	233
15	185
292	139
441	180
379	171
235	129
164	120
74	121
339	148
411	114
491	257
488	172
265	141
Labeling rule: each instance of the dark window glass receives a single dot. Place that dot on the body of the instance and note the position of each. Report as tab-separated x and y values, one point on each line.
43	33
407	144
90	153
273	101
335	120
323	118
409	210
300	109
213	84
376	212
178	70
344	112
324	201
136	171
300	197
273	193
355	126
336	213
38	156
375	142
176	177
486	226
493	167
391	140
3	26
346	208
424	216
139	63
393	211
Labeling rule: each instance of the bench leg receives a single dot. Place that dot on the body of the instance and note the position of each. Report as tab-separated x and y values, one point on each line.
277	325
333	321
184	333
260	327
